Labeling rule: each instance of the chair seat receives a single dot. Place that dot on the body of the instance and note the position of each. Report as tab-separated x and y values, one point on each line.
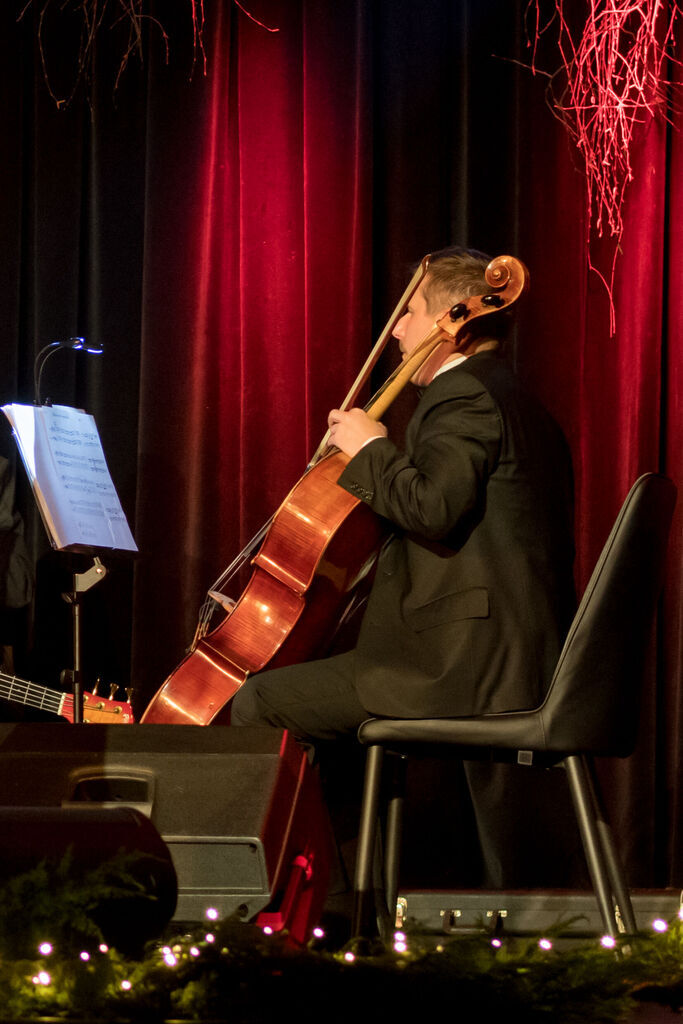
520	730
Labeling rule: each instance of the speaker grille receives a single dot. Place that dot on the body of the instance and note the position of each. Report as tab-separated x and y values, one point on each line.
234	806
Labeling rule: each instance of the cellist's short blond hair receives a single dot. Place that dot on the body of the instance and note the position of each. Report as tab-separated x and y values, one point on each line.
454	274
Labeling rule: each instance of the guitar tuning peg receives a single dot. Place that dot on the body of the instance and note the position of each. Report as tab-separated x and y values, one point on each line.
96	686
129	693
113	687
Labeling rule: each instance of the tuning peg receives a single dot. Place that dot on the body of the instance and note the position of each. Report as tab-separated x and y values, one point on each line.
113	688
129	693
96	686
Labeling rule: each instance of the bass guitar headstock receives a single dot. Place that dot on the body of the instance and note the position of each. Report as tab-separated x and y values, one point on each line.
100	710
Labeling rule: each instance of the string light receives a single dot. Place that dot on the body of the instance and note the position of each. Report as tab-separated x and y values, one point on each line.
45	984
43	987
211	913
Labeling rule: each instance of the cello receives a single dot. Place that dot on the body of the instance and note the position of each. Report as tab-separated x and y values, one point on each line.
320	544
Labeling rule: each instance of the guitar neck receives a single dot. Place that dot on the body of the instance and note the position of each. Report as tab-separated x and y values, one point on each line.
95	708
19	691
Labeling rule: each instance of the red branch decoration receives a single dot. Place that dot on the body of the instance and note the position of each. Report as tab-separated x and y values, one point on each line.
96	14
612	78
93	16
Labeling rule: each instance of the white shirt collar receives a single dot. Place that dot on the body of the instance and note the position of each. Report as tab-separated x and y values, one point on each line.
449	366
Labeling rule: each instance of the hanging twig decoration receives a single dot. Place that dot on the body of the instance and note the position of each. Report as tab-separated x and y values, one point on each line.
612	79
89	17
129	15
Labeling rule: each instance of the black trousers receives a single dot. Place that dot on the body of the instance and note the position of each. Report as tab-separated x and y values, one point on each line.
315	700
467	824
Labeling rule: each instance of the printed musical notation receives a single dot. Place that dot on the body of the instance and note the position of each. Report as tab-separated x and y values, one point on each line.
63	456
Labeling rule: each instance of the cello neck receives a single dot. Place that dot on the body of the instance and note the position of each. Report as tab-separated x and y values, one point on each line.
393	386
377	349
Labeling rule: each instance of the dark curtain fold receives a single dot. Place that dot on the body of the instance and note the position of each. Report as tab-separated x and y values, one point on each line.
237	238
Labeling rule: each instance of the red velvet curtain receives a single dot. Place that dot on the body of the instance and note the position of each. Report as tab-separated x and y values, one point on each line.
263	200
237	238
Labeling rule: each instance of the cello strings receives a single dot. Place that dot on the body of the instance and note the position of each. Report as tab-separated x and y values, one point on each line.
209	604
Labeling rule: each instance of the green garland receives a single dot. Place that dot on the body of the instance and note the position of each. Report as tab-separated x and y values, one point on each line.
234	972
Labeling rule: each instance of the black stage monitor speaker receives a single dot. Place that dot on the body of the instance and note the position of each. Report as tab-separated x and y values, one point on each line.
90	836
239	809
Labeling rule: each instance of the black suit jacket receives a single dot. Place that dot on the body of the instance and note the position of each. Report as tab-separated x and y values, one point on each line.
473	596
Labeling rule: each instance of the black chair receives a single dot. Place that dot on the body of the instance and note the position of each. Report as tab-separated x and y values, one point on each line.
591	708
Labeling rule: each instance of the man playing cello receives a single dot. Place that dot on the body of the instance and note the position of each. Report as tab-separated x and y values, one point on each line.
474	594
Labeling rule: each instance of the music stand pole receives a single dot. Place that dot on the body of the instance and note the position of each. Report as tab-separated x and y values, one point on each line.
82	581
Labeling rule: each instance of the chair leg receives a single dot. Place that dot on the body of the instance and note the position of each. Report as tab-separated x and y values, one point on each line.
610	854
393	834
581	793
364	921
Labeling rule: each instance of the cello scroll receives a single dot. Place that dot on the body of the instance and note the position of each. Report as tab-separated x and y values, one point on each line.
508	278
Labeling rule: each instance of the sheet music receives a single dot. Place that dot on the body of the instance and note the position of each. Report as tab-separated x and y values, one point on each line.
63	456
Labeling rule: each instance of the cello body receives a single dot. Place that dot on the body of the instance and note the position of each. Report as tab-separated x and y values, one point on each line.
320	546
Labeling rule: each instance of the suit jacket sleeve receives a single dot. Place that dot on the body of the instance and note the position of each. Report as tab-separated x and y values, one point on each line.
452	446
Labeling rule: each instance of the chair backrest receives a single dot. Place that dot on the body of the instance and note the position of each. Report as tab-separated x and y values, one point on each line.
593	701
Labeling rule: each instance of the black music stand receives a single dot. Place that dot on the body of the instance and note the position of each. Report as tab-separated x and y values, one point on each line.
62	453
82	581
